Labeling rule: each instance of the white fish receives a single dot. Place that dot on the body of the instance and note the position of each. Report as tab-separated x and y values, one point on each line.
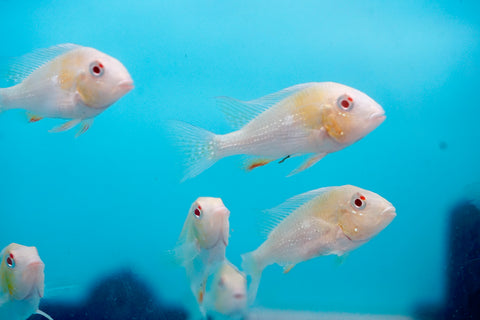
67	81
21	282
202	242
226	295
313	118
332	220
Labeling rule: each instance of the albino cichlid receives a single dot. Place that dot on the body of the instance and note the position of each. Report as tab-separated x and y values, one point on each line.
332	220
201	246
21	282
67	81
226	295
315	118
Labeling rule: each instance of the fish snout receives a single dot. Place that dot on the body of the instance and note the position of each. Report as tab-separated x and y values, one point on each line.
389	213
377	117
126	85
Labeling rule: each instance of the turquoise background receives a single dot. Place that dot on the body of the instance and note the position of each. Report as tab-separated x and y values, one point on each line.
112	197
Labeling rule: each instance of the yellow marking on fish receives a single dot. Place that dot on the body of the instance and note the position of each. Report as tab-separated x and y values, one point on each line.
308	104
335	123
33	118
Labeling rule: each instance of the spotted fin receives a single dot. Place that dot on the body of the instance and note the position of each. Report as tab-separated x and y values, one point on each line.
33	118
273	217
238	113
308	163
66	126
253	163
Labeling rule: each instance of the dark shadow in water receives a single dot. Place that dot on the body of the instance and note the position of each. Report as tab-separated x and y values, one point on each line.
119	296
463	271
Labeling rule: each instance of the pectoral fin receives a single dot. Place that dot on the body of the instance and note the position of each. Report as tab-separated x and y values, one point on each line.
66	126
85	125
288	268
308	163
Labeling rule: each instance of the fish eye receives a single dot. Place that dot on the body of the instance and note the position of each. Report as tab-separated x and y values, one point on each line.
197	213
96	69
10	261
345	102
359	201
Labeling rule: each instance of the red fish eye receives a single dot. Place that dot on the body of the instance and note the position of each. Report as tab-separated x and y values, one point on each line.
10	262
358	201
96	69
198	212
345	102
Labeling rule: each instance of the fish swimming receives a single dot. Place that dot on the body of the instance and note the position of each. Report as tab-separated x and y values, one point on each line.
67	81
21	282
332	220
315	118
226	294
201	246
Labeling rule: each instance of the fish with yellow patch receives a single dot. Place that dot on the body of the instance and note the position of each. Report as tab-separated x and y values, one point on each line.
201	246
21	282
332	220
315	118
67	81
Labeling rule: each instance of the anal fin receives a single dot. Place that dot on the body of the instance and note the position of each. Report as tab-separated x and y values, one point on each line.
308	163
33	118
251	164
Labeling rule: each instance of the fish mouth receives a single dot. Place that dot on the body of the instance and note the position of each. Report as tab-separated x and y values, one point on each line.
377	117
390	211
239	296
126	85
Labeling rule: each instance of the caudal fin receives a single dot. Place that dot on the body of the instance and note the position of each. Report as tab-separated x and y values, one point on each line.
197	144
252	268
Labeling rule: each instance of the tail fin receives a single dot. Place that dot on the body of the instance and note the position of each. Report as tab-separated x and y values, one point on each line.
199	146
252	268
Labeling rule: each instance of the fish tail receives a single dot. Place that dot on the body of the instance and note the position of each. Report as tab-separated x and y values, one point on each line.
252	268
199	146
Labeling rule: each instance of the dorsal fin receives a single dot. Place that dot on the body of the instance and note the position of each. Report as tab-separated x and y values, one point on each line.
273	217
25	65
238	113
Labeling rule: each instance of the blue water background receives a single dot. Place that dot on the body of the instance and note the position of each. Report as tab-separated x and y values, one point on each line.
112	197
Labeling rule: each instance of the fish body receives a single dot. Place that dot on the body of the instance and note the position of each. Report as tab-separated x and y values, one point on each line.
226	295
202	243
333	220
313	118
67	82
21	282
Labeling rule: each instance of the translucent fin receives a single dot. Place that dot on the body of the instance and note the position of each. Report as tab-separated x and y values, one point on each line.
40	312
273	217
251	267
253	163
1	101
197	144
33	118
308	163
66	126
287	268
341	259
238	113
84	126
25	65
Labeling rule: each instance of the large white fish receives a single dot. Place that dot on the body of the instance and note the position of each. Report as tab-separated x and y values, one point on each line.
67	81
21	282
332	220
226	295
315	118
202	242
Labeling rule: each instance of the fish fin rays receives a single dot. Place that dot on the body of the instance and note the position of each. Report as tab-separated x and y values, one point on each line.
198	144
25	65
85	124
288	268
308	163
252	269
271	218
40	312
238	113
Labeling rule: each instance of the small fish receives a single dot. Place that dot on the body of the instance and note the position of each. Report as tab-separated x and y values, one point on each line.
226	295
315	118
21	282
67	81
332	220
202	242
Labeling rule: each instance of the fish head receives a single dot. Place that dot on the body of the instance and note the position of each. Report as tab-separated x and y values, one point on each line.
349	114
21	272
102	79
363	214
230	289
210	225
